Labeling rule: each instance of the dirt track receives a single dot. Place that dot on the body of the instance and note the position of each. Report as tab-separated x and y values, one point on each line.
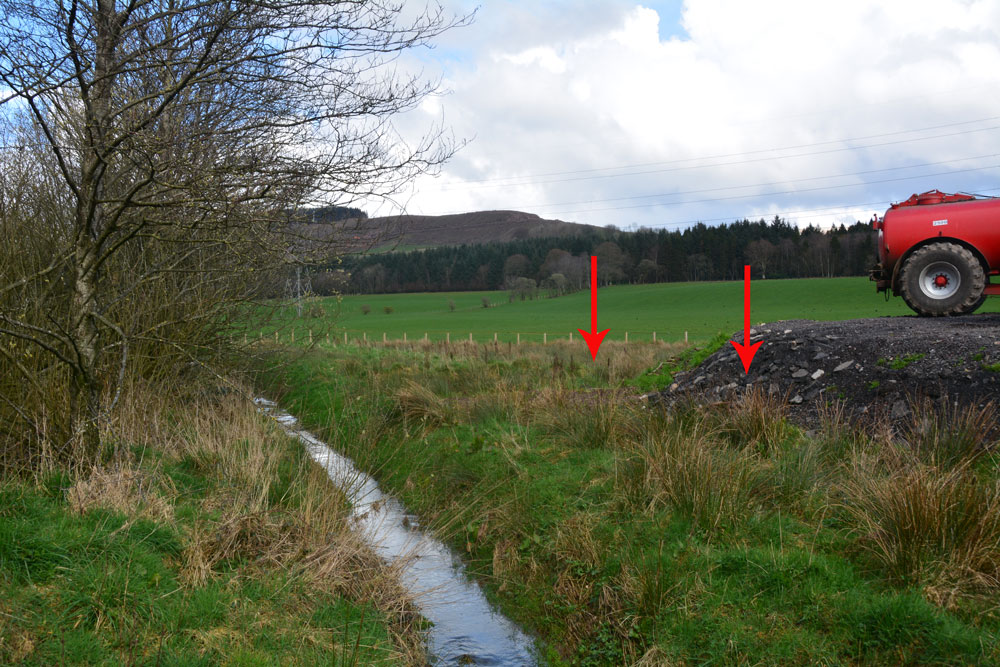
876	366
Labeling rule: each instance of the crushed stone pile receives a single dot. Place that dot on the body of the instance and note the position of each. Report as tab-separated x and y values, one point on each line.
879	367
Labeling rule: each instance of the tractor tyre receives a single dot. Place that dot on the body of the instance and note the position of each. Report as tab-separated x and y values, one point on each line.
974	307
942	279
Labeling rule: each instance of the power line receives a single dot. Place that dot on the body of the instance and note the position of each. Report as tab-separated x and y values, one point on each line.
722	164
783	192
530	177
846	208
757	185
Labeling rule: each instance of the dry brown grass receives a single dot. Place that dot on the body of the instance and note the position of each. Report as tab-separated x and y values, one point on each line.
134	492
420	406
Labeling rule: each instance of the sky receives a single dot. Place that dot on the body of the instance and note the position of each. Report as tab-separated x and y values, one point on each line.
663	114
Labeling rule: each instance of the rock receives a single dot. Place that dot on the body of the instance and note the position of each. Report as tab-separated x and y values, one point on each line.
818	374
820	355
801	373
797	399
844	366
899	409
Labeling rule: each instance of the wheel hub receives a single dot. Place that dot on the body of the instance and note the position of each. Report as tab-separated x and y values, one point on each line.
940	280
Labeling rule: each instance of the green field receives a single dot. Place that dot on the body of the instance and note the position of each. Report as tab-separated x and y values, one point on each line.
669	309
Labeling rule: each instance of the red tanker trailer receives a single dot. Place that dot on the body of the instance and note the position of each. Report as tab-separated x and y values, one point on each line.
938	250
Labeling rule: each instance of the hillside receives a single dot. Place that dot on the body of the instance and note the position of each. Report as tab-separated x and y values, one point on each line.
476	227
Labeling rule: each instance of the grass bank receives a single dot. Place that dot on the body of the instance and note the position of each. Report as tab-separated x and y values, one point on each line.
208	538
717	534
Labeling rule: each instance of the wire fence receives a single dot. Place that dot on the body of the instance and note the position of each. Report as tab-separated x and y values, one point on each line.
307	336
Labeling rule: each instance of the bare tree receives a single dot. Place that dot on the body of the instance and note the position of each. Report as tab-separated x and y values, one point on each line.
179	138
611	262
760	253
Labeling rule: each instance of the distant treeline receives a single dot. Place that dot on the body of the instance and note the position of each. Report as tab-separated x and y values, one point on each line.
774	249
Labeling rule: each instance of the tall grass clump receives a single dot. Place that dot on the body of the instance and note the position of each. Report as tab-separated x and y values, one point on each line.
418	405
593	420
755	419
948	435
681	462
931	526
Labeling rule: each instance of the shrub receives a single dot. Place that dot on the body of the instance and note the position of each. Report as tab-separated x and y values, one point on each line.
387	310
486	302
365	309
451	305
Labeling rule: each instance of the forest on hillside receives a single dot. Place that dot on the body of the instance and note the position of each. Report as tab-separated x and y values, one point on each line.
775	249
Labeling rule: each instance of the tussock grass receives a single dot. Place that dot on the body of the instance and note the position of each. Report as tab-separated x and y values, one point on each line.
682	464
756	420
591	420
420	405
949	435
939	528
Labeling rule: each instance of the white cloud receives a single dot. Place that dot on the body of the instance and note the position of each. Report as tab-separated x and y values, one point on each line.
561	88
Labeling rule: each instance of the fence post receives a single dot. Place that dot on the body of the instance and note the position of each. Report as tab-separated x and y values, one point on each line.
404	336
383	337
545	339
654	336
244	337
494	336
685	336
345	338
293	334
275	336
447	338
626	337
425	336
470	336
571	336
327	337
518	339
364	337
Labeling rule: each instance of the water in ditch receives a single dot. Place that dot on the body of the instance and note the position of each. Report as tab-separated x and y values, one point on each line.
466	629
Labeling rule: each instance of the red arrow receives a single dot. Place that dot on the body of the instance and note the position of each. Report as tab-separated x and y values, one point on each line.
593	337
746	350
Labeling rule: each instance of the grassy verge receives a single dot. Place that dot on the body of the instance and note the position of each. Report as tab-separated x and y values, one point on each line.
720	534
209	539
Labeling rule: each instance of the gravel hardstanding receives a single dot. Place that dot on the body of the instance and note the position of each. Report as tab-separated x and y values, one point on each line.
876	367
